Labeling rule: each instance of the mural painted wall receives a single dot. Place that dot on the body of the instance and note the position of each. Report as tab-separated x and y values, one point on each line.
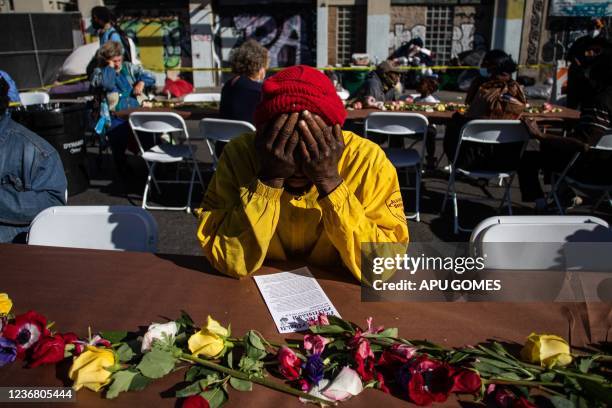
288	37
160	41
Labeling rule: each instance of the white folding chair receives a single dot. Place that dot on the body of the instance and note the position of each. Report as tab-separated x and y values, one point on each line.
533	242
402	125
202	97
604	145
222	130
489	132
119	228
33	98
169	123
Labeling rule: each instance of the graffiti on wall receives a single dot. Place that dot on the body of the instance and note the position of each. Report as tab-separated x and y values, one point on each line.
401	35
160	41
285	37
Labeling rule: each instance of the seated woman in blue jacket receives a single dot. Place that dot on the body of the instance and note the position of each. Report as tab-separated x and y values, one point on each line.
122	85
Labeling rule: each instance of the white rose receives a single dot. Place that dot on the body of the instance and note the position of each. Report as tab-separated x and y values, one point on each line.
156	331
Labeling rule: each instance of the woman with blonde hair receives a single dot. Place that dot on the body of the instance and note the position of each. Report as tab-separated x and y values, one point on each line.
122	85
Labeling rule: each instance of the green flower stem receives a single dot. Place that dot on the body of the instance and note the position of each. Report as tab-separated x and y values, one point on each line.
526	383
277	345
261	381
580	375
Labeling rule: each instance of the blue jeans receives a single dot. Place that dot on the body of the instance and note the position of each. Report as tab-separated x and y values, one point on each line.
14	234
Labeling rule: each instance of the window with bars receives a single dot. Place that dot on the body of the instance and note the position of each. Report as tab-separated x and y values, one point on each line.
439	37
345	34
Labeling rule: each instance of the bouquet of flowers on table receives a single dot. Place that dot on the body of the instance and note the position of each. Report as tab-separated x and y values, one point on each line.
334	361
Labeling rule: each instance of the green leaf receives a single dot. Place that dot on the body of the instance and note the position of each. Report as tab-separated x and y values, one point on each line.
585	364
114	336
139	382
215	397
241	385
125	353
547	376
249	365
230	359
390	332
121	382
255	340
337	321
210	379
191	389
561	402
338	344
196	372
596	391
331	329
185	321
156	363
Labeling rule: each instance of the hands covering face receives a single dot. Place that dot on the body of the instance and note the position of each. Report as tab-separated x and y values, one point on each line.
300	142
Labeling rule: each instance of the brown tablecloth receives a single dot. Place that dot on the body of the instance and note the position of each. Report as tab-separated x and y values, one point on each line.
124	291
441	118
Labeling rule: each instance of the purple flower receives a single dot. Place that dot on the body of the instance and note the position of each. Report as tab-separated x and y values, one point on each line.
8	351
313	369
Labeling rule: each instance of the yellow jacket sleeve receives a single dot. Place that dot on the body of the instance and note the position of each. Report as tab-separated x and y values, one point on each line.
378	217
237	222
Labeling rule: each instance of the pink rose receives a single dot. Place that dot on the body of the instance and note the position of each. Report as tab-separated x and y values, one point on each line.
315	344
289	364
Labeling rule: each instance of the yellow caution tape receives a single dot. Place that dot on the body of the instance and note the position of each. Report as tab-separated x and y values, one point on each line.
368	68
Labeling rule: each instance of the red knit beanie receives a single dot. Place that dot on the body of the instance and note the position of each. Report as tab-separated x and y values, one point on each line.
296	89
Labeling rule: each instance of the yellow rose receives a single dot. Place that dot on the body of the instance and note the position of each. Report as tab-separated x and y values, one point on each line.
6	304
210	341
546	349
213	326
89	369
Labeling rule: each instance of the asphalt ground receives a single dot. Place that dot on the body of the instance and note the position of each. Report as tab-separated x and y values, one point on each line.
177	229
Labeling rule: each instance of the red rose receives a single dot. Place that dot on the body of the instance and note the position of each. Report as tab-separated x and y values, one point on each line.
27	329
195	401
466	382
523	402
427	380
397	354
71	338
48	350
289	364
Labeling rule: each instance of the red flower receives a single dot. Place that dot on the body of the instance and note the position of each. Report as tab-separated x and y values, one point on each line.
426	380
523	402
381	383
466	382
195	401
289	364
503	397
71	338
364	357
49	350
397	354
27	329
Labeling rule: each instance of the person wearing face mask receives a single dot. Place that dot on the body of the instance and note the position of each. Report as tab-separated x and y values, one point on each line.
300	187
488	70
122	84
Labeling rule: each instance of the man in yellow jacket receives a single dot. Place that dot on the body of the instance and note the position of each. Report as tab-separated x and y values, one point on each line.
300	187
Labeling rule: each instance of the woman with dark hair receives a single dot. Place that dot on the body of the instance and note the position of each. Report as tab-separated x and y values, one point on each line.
496	64
242	92
103	20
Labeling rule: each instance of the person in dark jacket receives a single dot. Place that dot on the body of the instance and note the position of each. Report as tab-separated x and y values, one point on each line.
556	152
31	175
242	92
381	85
